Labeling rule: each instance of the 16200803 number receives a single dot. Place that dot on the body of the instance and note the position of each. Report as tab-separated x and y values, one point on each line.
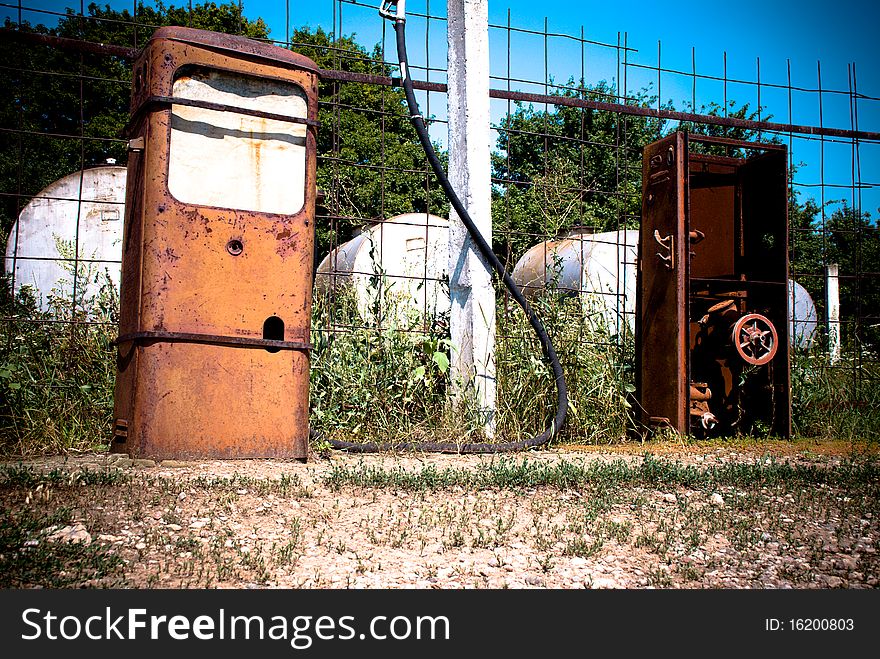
821	624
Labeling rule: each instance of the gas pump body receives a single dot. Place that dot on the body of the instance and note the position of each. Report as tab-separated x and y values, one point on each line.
217	265
711	324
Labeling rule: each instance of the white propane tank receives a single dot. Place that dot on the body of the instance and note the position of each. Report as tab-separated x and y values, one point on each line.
85	208
599	266
802	316
402	259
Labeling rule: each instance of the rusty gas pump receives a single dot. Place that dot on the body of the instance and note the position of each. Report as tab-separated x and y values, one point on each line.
217	266
712	311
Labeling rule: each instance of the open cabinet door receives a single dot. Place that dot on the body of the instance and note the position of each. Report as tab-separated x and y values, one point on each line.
662	306
763	260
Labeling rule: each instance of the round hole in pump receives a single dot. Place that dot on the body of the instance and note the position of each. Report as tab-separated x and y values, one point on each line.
273	330
235	247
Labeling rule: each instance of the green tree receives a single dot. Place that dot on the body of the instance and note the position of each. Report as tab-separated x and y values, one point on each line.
60	111
728	132
850	239
370	163
567	166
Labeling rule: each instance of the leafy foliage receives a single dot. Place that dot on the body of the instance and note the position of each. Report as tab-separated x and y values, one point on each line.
365	382
566	167
69	111
851	239
370	163
728	132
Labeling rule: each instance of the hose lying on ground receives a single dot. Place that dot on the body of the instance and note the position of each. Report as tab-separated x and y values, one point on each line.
490	257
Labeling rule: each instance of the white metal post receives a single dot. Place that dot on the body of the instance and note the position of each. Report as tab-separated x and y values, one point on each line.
472	315
832	299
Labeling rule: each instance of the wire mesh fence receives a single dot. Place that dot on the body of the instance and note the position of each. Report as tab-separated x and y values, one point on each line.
570	118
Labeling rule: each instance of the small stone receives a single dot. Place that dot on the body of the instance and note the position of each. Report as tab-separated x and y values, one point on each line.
716	499
535	581
181	496
834	582
122	463
174	527
140	545
670	498
75	534
848	563
198	524
143	462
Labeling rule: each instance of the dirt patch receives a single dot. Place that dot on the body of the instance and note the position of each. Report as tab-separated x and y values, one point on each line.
736	516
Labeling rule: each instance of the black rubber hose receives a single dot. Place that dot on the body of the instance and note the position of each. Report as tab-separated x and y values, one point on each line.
490	256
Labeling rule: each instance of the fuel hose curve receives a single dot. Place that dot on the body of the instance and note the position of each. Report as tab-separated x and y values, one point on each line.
398	16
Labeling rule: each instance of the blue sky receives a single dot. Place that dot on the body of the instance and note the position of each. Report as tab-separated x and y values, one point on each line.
779	33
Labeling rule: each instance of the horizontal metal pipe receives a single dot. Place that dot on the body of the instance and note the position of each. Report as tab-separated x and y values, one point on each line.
70	45
684	116
348	76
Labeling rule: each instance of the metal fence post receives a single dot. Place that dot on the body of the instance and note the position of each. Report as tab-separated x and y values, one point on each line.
832	295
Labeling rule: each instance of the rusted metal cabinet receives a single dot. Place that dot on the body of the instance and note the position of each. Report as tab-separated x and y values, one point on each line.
711	325
217	261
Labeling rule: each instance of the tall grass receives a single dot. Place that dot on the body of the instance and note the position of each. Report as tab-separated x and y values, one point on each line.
839	401
388	383
57	366
385	384
596	365
393	383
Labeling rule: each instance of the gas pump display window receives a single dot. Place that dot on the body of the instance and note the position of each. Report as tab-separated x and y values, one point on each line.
226	159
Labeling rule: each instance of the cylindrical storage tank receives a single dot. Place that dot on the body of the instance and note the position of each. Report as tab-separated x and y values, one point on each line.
72	225
802	316
217	264
601	267
397	267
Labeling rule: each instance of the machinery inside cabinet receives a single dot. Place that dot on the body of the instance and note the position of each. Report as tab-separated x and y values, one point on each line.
711	324
217	260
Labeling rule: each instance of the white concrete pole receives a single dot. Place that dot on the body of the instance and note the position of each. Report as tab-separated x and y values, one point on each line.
472	315
832	304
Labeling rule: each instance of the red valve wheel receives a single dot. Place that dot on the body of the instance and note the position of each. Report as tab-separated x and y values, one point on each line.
755	339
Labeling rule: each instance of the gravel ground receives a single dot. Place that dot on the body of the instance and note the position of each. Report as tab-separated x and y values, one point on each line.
283	524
